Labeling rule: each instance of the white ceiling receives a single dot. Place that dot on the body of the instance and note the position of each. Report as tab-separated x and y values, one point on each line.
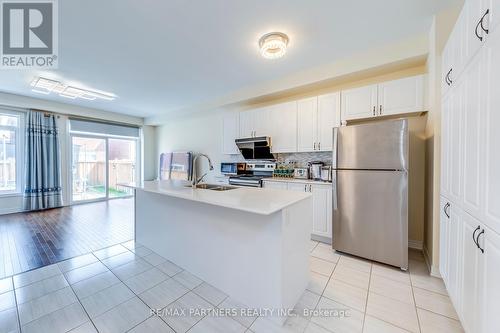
162	56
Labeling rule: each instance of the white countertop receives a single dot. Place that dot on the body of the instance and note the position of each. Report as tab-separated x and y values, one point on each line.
248	199
296	180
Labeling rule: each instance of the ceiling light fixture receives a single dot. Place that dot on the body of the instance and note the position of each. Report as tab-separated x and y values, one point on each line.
273	45
47	86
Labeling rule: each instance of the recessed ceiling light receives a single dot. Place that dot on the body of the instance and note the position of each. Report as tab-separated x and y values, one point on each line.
273	45
47	86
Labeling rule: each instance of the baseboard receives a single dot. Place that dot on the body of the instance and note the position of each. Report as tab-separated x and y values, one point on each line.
434	271
11	210
321	239
415	244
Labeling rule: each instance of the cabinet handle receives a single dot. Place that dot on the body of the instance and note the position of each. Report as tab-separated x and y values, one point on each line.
445	209
319	145
374	110
482	19
380	110
305	187
477	241
448	78
310	188
474	235
314	147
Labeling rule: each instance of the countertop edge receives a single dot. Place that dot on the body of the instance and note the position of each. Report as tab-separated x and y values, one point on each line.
214	203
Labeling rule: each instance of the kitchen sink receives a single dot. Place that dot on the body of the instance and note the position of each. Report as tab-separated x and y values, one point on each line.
214	187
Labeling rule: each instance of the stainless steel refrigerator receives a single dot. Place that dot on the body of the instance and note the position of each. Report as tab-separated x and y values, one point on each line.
370	191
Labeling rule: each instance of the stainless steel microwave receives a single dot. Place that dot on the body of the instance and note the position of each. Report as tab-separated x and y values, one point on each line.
232	168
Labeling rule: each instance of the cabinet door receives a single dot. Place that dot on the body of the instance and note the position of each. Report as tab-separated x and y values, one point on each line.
328	118
401	96
298	187
283	129
445	144
455	166
275	185
444	227
230	132
322	210
455	254
491	21
446	66
261	121
492	118
489	281
470	274
473	138
307	124
475	36
359	103
247	124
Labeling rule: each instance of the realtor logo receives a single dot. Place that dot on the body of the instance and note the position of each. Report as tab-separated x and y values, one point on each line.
29	34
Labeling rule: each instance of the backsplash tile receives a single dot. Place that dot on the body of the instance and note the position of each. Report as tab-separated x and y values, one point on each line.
302	159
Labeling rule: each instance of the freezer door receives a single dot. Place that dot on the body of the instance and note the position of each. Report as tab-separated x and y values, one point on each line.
370	215
381	145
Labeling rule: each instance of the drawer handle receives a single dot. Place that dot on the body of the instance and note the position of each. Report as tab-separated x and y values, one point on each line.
374	110
477	240
482	19
474	235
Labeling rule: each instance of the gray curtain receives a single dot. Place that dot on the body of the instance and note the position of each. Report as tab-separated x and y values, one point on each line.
42	162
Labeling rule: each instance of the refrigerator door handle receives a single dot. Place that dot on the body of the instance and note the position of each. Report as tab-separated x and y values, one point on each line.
334	188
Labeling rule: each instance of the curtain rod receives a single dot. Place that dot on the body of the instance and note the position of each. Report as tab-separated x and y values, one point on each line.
58	114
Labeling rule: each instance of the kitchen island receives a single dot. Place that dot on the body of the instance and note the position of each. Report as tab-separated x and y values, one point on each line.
250	243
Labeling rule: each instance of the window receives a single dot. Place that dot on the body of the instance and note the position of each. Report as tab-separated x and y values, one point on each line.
10	152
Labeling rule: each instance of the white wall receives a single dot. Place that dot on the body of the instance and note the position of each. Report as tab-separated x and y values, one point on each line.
201	133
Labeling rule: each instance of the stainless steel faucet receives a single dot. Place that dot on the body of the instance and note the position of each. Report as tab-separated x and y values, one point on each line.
197	180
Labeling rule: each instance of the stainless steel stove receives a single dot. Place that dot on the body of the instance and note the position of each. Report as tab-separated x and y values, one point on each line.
255	172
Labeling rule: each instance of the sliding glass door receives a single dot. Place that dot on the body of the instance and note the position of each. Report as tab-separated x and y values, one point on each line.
121	166
89	168
100	165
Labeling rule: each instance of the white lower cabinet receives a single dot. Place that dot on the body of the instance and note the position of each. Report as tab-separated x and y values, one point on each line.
275	185
322	204
322	210
470	274
489	281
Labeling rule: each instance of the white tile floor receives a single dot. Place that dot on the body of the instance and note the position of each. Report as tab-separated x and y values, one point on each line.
114	290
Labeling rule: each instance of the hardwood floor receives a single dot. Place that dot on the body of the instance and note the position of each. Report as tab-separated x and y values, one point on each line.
35	239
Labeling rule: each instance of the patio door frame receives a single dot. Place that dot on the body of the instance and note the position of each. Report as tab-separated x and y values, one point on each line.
106	185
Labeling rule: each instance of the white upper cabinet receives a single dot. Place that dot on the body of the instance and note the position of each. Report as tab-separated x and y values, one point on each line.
307	124
247	124
473	135
230	132
491	81
401	96
446	106
328	118
255	123
359	103
317	116
283	132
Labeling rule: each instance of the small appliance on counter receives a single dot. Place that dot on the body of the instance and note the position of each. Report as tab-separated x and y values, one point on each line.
253	175
315	170
301	173
326	173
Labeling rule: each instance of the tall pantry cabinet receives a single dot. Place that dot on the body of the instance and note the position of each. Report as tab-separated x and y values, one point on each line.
470	163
